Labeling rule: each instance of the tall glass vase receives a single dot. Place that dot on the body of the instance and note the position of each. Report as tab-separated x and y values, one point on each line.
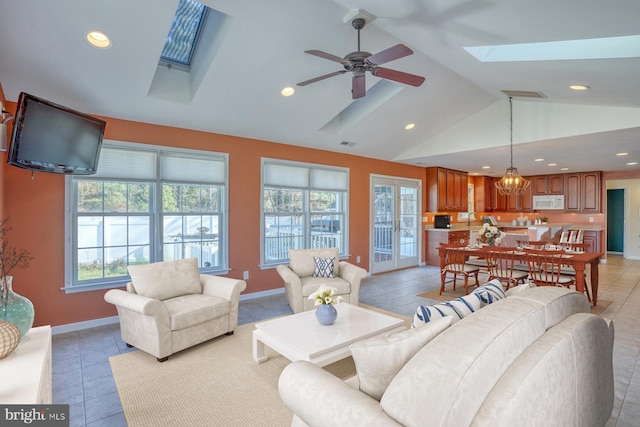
15	308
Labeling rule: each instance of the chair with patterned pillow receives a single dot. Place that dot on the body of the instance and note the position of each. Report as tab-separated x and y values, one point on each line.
310	268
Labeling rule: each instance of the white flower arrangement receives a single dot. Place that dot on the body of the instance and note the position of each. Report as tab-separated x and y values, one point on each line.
325	295
490	235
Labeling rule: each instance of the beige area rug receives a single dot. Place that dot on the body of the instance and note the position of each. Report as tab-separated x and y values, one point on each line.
216	383
449	294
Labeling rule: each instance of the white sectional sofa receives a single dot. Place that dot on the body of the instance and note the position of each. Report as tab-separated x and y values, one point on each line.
536	358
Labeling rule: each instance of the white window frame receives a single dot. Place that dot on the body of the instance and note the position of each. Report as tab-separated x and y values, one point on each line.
156	213
306	184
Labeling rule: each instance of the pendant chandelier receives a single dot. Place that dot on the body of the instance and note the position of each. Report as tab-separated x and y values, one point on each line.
512	182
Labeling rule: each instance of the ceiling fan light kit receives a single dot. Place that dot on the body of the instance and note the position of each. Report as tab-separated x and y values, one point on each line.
359	62
512	182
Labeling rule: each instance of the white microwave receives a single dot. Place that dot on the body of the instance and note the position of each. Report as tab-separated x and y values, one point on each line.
551	202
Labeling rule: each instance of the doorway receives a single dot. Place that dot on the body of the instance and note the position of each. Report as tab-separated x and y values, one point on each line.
615	220
395	235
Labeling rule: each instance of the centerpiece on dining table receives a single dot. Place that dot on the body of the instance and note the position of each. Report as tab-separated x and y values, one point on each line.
490	235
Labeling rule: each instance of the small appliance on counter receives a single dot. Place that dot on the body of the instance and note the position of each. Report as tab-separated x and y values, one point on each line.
442	221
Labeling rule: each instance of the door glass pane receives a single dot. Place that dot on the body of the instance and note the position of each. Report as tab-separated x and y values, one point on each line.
408	222
383	223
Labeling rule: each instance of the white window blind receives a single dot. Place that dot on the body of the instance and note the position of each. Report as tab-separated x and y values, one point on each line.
194	170
304	176
126	164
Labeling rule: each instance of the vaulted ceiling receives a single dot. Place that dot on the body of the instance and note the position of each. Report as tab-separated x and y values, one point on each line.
461	114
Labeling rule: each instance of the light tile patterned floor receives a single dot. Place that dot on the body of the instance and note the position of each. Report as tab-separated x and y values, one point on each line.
82	375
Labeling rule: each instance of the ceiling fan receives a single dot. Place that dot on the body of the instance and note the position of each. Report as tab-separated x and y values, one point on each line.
359	62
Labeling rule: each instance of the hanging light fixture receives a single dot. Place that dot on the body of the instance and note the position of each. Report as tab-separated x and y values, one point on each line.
512	182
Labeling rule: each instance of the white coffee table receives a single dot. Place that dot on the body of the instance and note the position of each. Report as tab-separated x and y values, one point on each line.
301	337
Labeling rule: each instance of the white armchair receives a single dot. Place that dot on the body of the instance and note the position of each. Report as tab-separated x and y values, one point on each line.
169	306
300	281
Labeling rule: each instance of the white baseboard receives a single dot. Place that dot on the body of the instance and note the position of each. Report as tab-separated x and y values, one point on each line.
261	294
78	326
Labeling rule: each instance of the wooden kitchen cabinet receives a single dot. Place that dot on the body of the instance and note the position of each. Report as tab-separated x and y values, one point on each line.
484	194
446	190
592	239
582	192
547	184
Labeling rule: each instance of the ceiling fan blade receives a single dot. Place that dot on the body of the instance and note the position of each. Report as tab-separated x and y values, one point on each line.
358	87
398	76
390	54
317	79
328	56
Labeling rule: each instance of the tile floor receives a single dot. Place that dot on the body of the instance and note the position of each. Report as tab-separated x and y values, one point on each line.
82	375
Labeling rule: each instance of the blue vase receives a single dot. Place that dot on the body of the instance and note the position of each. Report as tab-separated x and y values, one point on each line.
326	314
15	308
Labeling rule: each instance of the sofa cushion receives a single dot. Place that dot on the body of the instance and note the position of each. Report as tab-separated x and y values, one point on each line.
324	267
301	260
189	310
517	289
456	309
379	359
168	279
311	284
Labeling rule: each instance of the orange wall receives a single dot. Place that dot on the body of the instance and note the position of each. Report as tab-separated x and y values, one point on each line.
36	208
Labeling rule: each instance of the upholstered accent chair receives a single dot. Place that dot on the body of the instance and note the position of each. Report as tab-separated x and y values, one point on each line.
169	306
310	268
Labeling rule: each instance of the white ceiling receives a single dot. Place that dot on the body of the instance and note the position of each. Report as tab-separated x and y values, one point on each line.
459	109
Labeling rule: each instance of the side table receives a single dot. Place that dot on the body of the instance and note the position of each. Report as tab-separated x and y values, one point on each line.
25	374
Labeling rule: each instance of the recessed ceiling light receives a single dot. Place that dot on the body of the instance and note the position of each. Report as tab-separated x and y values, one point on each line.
539	160
632	163
579	87
622	154
98	39
410	126
552	164
287	91
564	169
486	167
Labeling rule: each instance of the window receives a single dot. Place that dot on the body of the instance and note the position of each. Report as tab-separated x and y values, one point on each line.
184	34
303	206
145	204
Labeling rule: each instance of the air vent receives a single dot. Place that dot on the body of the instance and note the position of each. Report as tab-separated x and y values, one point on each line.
347	143
524	94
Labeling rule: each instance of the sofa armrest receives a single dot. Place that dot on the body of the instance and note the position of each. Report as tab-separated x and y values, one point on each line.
321	399
223	287
134	302
352	274
292	288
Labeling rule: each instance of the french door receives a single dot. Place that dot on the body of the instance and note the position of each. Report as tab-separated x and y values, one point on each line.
395	223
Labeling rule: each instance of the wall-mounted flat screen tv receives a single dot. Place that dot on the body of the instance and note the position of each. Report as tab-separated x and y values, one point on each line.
48	137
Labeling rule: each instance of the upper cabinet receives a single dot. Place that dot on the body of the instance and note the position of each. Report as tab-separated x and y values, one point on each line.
582	192
447	190
547	184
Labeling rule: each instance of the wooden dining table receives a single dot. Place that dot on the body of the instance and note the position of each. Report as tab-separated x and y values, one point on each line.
577	260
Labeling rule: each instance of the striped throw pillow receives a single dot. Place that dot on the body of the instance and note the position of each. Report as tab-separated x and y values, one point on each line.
491	291
457	308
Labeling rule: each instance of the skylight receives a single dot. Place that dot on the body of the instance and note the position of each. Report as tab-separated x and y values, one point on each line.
180	47
601	48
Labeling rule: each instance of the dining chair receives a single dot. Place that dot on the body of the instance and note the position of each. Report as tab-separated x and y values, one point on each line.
454	262
501	263
545	269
